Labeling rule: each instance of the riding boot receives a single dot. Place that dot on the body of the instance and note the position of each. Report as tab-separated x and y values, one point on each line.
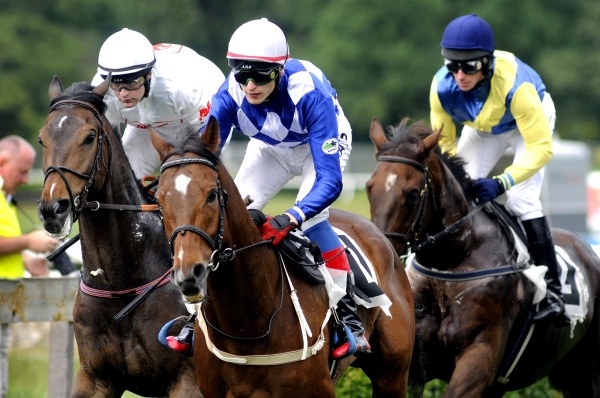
541	247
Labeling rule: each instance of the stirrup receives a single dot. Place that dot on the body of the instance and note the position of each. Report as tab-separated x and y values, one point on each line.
183	343
345	343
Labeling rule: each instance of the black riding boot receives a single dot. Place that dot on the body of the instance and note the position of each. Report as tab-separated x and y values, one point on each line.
541	247
348	314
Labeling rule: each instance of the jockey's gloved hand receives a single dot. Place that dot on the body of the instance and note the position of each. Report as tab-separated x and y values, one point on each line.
277	228
486	189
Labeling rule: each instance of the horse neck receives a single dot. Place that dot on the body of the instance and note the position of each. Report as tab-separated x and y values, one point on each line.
250	284
449	206
123	242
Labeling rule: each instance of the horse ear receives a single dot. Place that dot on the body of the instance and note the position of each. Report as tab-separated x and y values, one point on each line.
432	139
159	143
103	87
55	87
211	136
377	133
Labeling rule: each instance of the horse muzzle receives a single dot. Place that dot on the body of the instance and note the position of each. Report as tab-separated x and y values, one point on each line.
56	217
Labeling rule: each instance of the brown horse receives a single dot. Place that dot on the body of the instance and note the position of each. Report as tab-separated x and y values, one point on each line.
125	253
469	278
252	338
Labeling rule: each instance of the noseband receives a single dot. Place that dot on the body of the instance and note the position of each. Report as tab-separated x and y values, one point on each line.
215	243
79	202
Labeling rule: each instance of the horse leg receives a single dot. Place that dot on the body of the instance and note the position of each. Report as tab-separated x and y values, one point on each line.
84	387
392	340
474	371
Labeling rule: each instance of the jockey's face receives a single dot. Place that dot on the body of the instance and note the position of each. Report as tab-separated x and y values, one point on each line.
465	81
130	94
257	94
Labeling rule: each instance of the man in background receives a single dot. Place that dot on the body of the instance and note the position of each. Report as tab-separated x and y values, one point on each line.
18	252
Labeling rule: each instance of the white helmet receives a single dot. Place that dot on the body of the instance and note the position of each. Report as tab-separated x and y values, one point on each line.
125	53
260	41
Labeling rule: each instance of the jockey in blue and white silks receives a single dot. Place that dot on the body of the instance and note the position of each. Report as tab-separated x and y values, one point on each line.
297	128
304	119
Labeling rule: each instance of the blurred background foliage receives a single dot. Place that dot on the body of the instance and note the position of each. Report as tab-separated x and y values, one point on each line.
380	54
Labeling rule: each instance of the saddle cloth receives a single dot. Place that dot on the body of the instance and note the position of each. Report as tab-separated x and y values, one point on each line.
364	276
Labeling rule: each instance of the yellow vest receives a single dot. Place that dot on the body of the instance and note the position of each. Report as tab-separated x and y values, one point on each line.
11	265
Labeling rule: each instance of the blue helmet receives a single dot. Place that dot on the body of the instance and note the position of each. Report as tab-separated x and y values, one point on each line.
466	38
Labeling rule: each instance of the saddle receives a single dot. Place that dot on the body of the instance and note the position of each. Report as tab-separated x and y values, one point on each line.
297	249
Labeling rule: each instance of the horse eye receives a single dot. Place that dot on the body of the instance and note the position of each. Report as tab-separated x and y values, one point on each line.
212	196
90	137
40	141
412	197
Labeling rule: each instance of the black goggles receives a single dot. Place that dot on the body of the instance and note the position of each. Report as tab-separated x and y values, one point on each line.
258	77
468	67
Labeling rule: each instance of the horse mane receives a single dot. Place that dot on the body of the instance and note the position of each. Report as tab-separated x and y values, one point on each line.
81	91
412	133
187	141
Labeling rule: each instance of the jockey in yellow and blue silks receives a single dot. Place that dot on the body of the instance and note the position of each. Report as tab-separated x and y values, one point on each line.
501	102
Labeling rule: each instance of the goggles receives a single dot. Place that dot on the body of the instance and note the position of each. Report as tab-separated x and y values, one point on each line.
468	67
128	86
258	77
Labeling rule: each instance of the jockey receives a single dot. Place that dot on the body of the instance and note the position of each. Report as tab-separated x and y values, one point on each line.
297	128
501	102
163	86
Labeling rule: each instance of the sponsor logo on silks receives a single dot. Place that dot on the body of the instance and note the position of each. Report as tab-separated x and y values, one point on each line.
330	146
203	113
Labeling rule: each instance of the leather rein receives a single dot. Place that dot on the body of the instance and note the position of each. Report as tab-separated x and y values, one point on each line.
416	227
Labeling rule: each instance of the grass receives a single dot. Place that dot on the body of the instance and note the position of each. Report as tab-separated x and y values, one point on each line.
29	366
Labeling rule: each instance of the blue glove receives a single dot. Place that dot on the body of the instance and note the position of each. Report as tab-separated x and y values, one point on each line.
486	189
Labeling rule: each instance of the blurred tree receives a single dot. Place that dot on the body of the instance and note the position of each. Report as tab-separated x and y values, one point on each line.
380	55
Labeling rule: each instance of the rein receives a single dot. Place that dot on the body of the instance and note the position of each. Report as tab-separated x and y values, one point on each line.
462	276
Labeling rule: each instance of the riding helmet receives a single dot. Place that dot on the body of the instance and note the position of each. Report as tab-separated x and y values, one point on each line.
466	38
257	44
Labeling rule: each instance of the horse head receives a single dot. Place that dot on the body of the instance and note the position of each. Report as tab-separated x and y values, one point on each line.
200	234
76	153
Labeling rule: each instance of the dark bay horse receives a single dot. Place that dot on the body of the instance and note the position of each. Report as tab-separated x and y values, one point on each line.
471	318
88	178
252	338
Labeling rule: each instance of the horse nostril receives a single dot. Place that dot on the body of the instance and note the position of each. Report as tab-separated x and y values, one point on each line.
199	270
62	206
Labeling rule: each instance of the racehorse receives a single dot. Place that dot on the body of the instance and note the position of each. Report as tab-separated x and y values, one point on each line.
474	299
262	329
125	253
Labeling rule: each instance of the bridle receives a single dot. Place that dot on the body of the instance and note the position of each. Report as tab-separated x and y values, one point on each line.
411	236
219	254
79	202
216	243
